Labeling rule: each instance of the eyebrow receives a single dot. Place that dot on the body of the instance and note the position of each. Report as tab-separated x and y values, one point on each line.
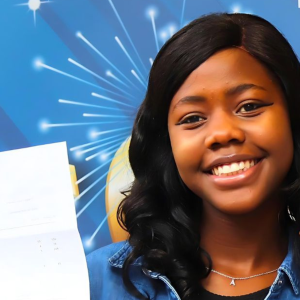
239	89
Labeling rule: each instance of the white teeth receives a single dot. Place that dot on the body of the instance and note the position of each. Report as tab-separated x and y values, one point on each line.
226	169
220	170
234	168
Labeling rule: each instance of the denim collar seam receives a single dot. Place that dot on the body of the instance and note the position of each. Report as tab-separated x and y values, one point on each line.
116	260
120	265
293	280
169	285
273	287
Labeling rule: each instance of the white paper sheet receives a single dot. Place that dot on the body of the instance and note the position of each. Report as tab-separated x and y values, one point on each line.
41	254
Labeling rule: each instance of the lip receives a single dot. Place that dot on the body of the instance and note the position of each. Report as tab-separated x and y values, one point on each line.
224	160
238	179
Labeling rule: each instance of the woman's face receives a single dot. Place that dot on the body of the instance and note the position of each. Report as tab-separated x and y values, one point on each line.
230	133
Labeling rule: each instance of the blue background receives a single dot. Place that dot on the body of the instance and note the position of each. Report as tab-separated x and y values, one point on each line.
35	52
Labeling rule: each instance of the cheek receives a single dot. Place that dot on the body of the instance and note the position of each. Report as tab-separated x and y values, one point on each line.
278	133
273	134
187	148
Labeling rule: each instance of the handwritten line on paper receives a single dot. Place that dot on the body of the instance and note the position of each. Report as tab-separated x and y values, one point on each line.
26	226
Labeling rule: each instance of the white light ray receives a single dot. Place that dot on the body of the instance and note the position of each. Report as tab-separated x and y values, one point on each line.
151	14
109	212
95	197
298	3
94	183
43	125
113	130
111	100
33	5
90	105
102	145
79	35
120	153
172	30
34	18
41	64
138	78
110	74
90	187
128	56
99	141
163	36
107	154
105	116
87	244
103	152
97	76
182	13
236	8
92	172
127	34
49	125
151	59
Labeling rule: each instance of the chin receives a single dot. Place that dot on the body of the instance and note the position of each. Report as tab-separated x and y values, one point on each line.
237	210
234	207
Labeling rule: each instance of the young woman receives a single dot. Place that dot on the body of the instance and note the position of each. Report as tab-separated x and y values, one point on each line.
214	209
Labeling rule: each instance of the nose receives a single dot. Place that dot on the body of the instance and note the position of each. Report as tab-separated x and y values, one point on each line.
223	130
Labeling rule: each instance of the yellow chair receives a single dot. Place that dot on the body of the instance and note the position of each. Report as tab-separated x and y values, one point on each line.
74	179
119	178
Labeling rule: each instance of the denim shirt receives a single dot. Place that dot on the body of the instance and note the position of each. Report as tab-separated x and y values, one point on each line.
105	272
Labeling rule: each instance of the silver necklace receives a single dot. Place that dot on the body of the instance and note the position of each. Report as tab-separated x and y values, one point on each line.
242	278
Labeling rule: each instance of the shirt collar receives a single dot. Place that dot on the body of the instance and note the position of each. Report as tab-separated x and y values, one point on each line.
289	265
117	260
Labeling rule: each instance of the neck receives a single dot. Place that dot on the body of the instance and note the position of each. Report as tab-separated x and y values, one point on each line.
244	245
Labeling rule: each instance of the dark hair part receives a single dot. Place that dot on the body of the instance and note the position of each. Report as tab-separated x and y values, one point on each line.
160	213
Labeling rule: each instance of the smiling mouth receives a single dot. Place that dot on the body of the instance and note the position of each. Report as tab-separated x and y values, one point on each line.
233	168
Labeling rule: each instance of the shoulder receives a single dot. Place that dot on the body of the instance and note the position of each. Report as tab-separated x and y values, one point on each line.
102	276
106	255
107	260
105	274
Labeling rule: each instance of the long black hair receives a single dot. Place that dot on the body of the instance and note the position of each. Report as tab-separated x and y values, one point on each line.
160	213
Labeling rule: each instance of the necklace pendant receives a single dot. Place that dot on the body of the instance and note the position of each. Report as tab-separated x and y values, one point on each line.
232	282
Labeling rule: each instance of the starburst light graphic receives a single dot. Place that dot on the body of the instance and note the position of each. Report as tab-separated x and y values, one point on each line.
111	105
33	5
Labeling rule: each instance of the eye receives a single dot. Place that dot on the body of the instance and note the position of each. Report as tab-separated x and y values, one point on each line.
248	107
191	120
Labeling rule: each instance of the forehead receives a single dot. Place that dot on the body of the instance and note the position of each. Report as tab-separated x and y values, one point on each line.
224	70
